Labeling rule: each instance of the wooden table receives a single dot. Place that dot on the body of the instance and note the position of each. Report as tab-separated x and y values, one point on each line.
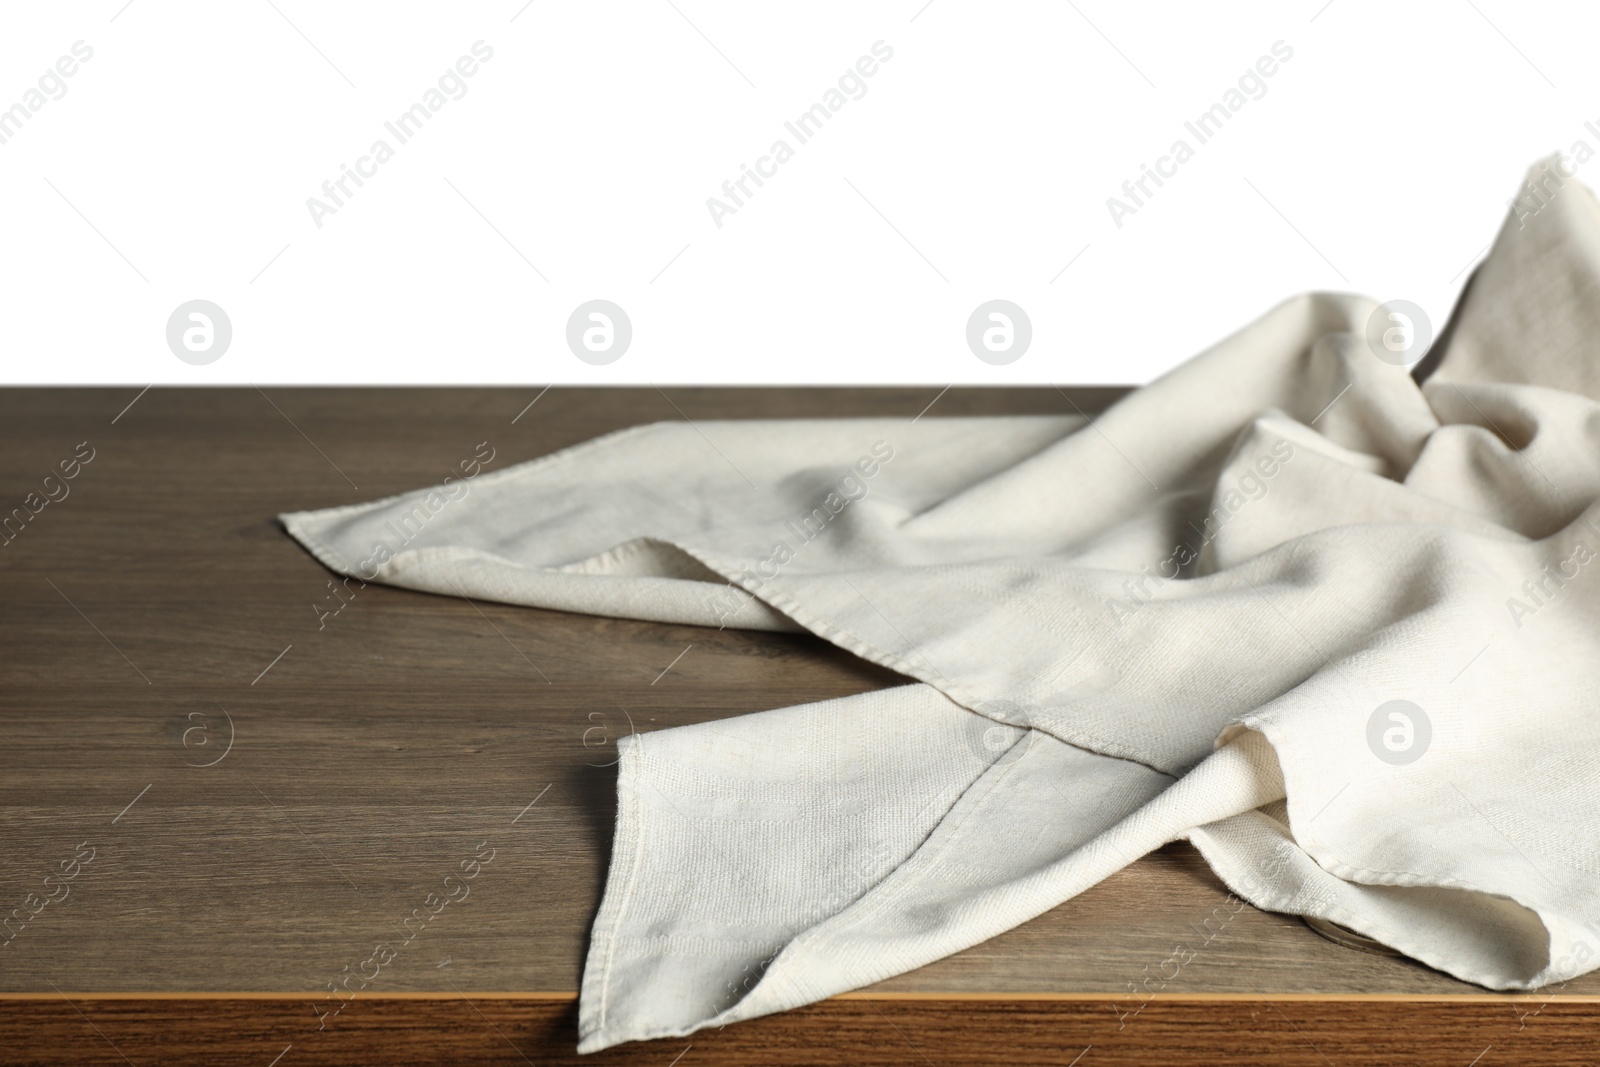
258	792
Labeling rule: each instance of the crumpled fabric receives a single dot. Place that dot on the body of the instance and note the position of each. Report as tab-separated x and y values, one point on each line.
1337	628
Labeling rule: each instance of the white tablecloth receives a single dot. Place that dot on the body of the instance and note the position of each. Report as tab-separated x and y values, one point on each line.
1340	631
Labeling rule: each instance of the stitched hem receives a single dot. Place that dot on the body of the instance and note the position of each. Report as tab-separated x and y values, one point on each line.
627	850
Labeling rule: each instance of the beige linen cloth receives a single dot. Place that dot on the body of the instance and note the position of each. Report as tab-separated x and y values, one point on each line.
1339	630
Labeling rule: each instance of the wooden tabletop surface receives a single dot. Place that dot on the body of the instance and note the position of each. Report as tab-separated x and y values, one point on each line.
249	793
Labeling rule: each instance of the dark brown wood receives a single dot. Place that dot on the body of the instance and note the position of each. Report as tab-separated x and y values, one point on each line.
158	602
883	1030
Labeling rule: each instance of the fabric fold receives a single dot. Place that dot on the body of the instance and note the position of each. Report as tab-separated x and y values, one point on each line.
1335	627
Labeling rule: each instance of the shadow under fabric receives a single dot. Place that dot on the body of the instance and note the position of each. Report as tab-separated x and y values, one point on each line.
1177	622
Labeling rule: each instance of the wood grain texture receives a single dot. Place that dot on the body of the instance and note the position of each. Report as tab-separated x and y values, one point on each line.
159	602
878	1032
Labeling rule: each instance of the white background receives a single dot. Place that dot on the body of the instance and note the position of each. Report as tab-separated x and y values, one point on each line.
178	165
